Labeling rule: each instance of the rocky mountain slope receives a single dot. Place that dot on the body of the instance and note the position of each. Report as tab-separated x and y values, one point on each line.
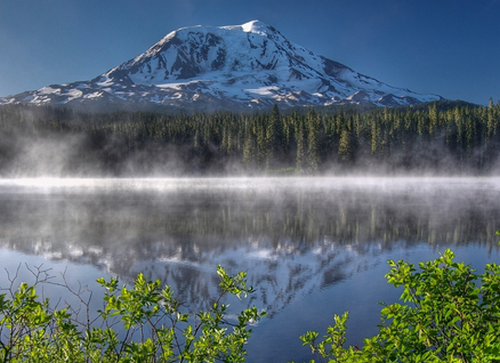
241	67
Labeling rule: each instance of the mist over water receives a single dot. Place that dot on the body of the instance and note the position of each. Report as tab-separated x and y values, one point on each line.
311	247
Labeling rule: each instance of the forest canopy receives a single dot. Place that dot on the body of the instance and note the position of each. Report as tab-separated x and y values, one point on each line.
447	138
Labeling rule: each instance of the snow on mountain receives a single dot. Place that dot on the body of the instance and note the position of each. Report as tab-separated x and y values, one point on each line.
249	66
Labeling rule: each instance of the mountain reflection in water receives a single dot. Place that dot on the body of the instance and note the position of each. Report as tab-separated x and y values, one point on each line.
294	236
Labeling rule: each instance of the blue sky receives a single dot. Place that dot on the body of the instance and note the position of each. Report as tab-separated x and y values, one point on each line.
451	48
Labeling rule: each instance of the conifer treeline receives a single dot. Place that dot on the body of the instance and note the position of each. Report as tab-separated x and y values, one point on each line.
438	137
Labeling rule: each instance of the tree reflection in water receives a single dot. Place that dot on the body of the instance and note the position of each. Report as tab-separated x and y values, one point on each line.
293	235
296	237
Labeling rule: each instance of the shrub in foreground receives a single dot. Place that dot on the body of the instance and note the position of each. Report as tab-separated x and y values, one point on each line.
450	314
143	323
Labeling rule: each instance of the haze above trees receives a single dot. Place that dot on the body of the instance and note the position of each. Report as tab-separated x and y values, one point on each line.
441	137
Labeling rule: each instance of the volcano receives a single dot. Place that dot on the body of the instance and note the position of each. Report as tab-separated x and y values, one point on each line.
241	67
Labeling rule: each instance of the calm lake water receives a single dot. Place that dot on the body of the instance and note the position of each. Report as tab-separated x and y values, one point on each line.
312	247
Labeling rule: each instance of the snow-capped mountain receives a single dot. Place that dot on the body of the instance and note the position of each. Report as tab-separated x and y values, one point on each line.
239	67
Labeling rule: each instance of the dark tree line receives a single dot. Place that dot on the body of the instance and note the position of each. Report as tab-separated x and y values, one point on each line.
439	137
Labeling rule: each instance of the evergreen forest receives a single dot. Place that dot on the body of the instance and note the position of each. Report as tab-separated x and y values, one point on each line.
444	138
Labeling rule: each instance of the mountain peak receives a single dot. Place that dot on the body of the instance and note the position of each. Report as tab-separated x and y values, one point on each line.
248	66
255	26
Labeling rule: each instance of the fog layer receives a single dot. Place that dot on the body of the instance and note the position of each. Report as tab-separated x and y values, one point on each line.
439	138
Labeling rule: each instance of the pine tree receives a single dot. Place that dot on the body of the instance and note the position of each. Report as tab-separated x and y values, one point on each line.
313	141
345	145
301	146
274	139
249	147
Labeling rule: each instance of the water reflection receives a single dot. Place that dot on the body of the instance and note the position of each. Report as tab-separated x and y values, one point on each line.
293	236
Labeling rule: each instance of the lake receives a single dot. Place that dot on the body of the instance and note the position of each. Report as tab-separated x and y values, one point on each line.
312	247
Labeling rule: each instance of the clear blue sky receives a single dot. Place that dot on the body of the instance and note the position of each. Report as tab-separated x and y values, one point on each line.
447	47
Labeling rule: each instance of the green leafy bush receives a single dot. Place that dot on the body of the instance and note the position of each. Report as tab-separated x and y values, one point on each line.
451	314
144	323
